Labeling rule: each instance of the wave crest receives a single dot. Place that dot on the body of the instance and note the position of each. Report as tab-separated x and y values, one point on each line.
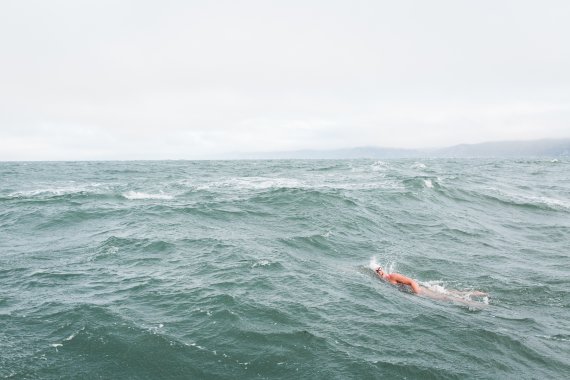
136	195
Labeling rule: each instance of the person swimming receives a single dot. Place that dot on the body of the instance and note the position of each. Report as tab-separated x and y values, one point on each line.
398	279
450	295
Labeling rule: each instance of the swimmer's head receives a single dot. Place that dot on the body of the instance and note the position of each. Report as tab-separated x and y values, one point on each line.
380	271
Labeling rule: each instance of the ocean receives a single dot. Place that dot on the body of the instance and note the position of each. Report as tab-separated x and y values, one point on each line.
263	269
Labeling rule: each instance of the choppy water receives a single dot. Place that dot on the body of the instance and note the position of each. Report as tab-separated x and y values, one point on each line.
247	269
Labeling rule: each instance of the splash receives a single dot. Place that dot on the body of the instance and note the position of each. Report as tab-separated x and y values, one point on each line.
389	268
373	263
435	286
439	291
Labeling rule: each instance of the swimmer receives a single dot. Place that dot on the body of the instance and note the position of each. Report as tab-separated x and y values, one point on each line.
450	295
396	279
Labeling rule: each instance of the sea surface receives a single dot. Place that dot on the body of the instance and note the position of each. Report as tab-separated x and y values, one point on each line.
262	269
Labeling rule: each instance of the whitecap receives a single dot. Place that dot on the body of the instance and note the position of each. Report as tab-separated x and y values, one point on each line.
379	166
136	195
534	200
428	183
74	334
561	338
195	345
254	183
56	345
57	191
384	185
265	183
112	250
154	329
551	202
261	263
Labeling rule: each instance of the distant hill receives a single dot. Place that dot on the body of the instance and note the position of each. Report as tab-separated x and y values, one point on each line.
532	148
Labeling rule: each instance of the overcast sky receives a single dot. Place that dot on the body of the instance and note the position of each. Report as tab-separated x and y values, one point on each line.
199	79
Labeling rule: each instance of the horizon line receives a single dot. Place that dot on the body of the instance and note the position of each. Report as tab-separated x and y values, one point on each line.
235	156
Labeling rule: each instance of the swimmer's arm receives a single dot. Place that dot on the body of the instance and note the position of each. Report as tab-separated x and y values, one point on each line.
415	286
407	281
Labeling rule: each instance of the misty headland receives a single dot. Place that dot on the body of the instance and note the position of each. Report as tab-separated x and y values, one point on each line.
494	149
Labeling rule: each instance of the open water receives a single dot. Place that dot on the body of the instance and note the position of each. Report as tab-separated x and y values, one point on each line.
260	269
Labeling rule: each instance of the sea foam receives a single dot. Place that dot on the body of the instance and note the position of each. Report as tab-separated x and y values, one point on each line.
418	165
135	195
57	191
254	183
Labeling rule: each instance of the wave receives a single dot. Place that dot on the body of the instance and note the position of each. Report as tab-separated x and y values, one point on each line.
418	165
146	349
327	168
422	182
84	190
557	337
114	246
47	192
314	241
379	166
521	200
548	202
264	183
73	216
253	183
265	263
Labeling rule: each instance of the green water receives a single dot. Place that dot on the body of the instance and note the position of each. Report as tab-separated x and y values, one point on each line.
260	269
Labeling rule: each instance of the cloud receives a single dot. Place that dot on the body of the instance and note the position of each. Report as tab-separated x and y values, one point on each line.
108	80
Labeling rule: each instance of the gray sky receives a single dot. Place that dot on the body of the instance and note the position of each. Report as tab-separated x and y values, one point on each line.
198	79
